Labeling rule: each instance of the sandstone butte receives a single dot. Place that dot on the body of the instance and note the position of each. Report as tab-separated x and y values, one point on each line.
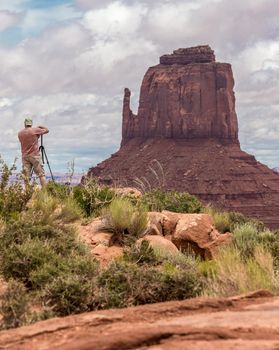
187	122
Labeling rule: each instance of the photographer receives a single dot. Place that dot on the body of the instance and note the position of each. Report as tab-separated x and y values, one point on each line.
31	159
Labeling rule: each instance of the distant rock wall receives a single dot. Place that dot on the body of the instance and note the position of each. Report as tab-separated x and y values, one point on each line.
183	98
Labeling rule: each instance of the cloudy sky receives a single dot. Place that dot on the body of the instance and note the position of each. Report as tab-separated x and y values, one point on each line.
66	63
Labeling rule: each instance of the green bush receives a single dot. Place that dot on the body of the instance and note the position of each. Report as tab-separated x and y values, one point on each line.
179	202
92	197
247	237
14	305
178	284
59	191
228	221
13	196
19	260
69	211
125	284
69	294
141	254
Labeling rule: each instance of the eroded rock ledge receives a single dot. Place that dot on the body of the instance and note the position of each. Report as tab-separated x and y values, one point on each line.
198	54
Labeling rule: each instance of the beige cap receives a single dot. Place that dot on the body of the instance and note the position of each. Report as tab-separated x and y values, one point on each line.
28	122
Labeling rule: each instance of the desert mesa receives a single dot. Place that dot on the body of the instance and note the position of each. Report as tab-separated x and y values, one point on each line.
187	127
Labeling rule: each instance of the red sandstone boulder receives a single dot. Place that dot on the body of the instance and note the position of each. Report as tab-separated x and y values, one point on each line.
159	224
159	243
197	232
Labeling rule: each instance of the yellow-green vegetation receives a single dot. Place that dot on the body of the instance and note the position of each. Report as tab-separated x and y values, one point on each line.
179	202
124	218
231	274
50	272
227	221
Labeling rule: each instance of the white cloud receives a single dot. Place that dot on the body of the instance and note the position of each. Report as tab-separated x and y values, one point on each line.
38	19
114	21
8	19
71	76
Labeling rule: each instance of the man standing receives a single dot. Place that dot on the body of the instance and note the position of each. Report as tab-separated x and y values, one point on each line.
31	158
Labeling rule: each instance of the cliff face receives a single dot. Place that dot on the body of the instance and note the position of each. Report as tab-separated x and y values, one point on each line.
184	99
187	122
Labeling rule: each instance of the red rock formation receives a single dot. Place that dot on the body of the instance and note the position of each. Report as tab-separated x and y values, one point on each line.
187	121
183	99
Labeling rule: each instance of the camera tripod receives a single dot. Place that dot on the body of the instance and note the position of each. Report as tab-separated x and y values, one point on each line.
44	158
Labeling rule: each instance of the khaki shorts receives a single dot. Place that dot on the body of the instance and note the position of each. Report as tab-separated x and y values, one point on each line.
32	162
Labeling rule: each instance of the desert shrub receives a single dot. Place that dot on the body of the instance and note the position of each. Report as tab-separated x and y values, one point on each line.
57	190
69	294
13	197
178	284
69	211
222	220
124	284
19	260
180	202
92	197
230	274
141	254
228	221
14	305
124	218
247	237
28	227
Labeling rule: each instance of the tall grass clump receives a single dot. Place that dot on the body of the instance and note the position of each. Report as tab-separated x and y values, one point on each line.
123	218
231	274
248	236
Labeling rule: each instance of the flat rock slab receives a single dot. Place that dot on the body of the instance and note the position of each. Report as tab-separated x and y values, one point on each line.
246	322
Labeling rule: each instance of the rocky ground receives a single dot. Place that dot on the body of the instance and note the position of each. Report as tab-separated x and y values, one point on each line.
245	322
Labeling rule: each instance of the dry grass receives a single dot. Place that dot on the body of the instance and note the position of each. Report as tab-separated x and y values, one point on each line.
230	274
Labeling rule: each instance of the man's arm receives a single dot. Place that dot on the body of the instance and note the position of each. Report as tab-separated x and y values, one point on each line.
45	129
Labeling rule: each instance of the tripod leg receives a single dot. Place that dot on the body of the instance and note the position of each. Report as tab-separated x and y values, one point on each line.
46	158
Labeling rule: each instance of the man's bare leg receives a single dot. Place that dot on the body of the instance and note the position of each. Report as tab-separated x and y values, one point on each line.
42	181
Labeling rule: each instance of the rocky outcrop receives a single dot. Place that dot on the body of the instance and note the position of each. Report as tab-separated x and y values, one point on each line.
166	231
245	322
198	54
187	121
189	232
